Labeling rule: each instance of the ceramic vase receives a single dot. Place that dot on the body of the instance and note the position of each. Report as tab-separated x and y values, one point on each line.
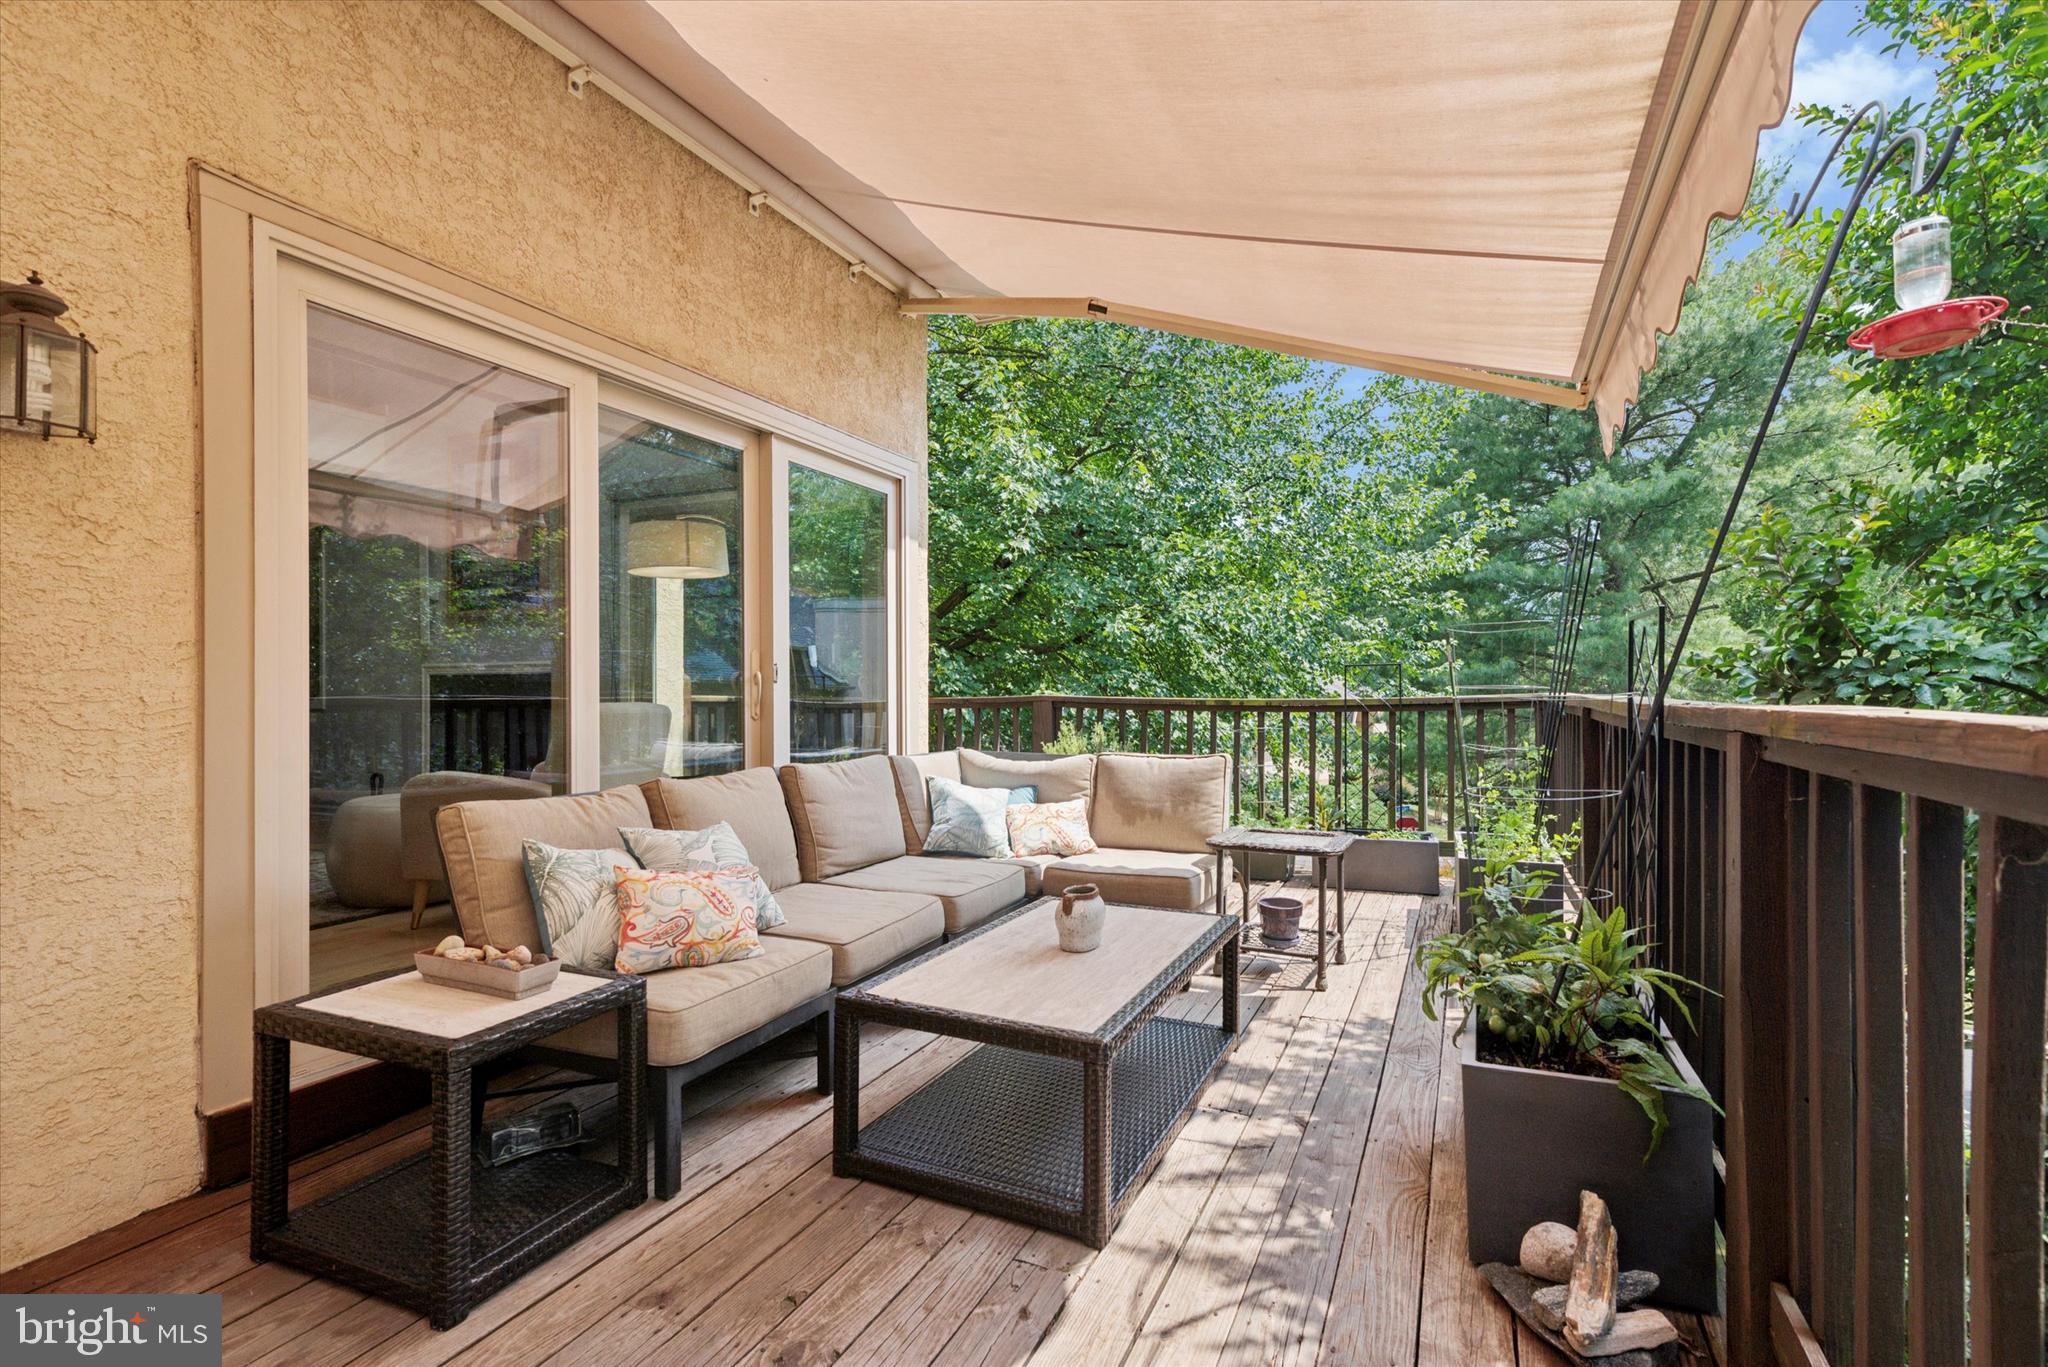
1079	918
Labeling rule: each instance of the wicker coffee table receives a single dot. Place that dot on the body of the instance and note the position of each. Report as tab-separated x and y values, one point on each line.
1079	1084
437	1232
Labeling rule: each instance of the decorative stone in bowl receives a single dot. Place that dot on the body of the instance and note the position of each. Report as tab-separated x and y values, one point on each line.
514	972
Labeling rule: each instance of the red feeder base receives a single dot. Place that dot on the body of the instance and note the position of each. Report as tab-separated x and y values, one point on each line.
1922	332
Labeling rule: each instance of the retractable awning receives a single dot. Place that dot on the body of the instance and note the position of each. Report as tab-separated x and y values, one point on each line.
1508	196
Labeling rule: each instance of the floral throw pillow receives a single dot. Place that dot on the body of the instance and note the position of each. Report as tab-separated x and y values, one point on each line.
576	901
1050	828
714	847
970	820
686	918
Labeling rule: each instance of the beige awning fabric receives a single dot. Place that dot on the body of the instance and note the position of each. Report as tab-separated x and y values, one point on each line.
1510	196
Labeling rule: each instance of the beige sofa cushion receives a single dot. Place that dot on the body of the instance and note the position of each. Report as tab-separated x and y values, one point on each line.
914	796
1151	878
865	930
971	890
846	815
691	1011
1034	866
750	801
1058	778
1160	802
482	844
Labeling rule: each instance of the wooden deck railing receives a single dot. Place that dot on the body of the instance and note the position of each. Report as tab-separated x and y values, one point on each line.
1371	762
1863	894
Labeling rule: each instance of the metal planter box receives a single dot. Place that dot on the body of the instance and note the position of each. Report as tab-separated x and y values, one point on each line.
1534	1140
1470	869
1393	864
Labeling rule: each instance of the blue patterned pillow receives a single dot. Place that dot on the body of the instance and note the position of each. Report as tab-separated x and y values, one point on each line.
970	820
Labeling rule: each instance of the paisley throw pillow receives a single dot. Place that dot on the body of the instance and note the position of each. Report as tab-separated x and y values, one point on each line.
714	847
685	918
1050	828
970	820
576	902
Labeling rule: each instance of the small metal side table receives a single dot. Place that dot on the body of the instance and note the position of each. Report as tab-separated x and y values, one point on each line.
1325	850
439	1232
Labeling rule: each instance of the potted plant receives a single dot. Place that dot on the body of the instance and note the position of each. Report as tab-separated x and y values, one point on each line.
1571	1085
1393	861
1513	832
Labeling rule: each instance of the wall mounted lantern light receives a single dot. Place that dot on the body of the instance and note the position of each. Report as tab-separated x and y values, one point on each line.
46	373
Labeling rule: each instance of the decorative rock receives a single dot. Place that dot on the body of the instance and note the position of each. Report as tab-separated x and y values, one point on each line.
1547	1251
1633	1287
520	954
466	954
492	952
1634	1331
449	946
1518	1289
1547	1305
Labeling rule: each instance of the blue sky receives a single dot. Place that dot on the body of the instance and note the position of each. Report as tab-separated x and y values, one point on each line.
1832	67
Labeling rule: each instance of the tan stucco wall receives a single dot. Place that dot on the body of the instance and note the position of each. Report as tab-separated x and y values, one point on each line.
433	127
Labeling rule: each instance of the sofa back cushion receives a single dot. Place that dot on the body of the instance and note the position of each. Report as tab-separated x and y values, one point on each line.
1160	802
483	845
913	798
845	814
1058	778
749	801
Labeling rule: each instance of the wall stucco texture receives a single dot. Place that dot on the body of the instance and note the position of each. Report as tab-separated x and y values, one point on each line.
430	125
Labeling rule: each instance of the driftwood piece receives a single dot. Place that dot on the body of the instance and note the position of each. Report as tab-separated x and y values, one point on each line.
1589	1306
1631	1288
1632	1330
1519	1289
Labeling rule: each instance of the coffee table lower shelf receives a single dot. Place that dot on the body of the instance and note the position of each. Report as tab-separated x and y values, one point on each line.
1003	1129
377	1234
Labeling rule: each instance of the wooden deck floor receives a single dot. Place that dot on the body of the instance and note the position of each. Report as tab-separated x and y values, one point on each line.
1311	1210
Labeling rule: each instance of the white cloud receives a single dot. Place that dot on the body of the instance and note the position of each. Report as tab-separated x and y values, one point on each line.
1845	80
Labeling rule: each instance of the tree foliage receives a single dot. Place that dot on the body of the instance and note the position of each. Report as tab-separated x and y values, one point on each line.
1650	509
1928	584
1121	511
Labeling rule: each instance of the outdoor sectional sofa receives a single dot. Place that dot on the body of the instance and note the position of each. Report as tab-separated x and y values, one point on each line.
841	846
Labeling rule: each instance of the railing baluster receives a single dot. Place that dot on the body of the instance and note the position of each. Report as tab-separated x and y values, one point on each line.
1934	1087
1757	929
1260	716
1287	761
1878	1335
1798	1153
1237	766
1831	1060
2006	1093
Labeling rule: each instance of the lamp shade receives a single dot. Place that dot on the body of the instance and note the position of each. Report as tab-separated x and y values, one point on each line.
678	548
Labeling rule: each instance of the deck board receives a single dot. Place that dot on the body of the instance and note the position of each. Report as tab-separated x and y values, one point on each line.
1311	1209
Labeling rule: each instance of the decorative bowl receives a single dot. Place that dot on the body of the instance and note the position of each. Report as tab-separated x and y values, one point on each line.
497	982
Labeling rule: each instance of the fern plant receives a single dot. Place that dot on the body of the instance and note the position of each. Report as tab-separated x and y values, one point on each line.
1564	994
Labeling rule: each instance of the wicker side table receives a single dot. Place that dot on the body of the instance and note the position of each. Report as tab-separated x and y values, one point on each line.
1325	850
437	1232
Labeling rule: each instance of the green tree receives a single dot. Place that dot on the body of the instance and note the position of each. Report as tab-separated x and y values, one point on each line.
1651	507
1928	584
1121	511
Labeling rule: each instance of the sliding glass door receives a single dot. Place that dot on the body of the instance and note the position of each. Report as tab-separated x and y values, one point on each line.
495	571
839	604
436	483
672	588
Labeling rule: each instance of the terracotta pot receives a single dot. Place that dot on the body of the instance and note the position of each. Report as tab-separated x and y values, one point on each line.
1280	920
1080	918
